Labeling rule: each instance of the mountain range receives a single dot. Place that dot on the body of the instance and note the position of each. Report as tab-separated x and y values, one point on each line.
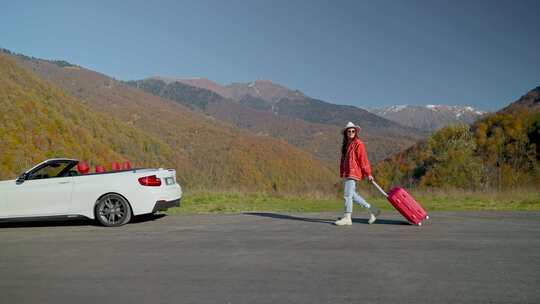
112	121
263	89
271	109
428	118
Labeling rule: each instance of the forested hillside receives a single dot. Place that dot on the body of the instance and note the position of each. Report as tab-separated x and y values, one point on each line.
207	153
320	140
499	151
38	121
530	101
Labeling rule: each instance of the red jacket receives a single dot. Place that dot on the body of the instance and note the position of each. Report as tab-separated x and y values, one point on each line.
355	163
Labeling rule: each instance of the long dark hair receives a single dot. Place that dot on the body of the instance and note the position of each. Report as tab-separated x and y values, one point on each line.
345	142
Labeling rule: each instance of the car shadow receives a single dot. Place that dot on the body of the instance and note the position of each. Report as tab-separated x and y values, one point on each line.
323	220
36	223
147	218
80	221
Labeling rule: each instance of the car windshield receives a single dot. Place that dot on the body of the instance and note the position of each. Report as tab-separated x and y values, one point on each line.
50	170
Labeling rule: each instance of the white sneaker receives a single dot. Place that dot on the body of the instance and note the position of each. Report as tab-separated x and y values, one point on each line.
373	213
344	221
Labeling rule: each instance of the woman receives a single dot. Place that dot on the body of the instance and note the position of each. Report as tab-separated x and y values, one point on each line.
354	166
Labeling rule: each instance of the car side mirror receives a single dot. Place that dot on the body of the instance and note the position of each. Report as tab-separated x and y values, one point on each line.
21	178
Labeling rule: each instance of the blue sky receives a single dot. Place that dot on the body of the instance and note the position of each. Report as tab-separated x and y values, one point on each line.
363	53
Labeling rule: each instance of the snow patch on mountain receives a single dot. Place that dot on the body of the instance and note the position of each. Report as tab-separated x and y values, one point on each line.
429	117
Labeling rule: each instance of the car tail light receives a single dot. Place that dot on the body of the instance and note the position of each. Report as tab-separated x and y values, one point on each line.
152	181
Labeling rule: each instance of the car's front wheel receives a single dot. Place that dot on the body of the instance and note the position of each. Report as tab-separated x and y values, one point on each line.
113	210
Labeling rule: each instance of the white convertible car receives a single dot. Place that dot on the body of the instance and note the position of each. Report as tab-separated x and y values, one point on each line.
54	188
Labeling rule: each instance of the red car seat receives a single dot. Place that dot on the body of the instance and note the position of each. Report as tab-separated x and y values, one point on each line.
100	169
126	165
82	167
115	166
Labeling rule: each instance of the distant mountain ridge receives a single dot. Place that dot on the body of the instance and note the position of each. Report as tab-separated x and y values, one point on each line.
430	117
278	99
203	83
261	89
263	106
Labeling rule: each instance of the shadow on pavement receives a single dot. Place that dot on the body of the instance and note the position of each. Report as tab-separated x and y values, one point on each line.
28	223
66	222
290	217
323	221
381	222
147	218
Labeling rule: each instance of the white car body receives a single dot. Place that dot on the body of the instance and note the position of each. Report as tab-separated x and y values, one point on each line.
77	194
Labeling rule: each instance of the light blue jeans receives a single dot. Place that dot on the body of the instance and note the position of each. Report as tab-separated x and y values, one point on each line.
350	195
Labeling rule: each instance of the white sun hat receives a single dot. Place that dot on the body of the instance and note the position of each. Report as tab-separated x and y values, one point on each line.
351	125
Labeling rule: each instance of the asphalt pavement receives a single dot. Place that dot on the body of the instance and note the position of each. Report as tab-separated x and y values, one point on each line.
456	257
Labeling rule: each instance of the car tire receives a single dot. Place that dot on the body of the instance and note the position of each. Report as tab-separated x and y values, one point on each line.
112	210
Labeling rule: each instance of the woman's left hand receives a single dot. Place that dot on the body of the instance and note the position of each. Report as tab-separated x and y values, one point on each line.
370	178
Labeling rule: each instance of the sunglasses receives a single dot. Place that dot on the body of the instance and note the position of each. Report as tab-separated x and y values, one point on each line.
351	131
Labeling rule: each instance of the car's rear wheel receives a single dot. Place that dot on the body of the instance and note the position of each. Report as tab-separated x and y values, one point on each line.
113	210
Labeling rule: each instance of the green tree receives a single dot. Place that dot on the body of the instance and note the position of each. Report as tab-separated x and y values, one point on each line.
450	160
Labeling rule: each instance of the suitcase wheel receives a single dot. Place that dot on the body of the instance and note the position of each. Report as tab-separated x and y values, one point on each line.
419	224
427	217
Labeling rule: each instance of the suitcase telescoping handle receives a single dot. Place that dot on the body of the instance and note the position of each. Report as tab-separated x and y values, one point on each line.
379	187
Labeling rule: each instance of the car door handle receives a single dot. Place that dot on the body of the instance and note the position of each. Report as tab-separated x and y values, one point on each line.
63	182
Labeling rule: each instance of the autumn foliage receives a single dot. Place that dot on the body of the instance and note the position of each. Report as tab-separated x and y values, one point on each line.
71	112
38	121
499	151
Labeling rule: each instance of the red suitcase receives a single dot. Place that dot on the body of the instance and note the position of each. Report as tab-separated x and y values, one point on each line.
405	204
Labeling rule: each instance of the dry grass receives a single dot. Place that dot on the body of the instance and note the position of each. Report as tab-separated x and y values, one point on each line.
235	201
